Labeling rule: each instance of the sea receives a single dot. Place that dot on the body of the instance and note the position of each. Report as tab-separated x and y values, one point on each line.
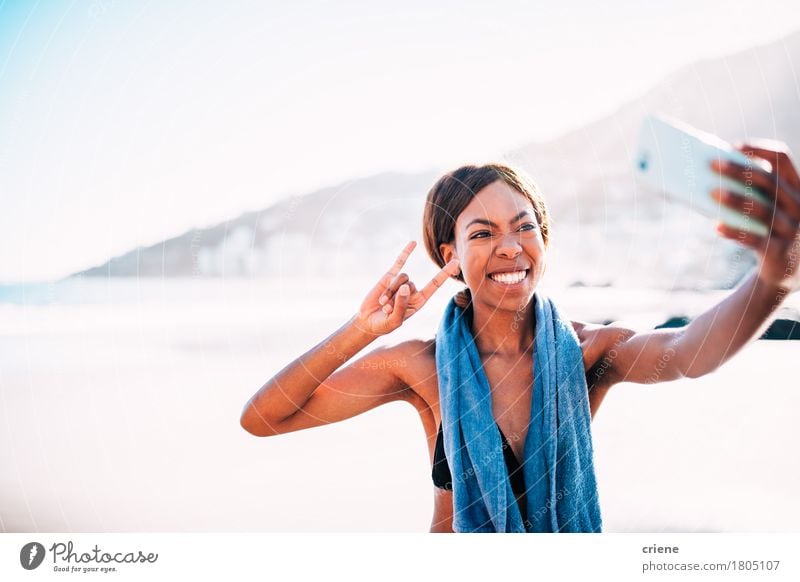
120	402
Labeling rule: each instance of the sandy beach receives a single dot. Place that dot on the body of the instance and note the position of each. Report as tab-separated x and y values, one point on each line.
122	414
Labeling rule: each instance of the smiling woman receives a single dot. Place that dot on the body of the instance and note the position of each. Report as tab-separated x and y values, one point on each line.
507	388
494	221
455	193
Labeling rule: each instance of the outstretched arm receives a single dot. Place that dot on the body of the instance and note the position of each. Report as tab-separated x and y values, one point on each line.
719	333
712	338
716	335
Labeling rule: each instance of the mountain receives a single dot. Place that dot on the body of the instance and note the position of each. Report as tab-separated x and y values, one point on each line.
606	231
345	229
624	235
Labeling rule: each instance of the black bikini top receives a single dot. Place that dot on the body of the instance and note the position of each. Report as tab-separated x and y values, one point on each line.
443	479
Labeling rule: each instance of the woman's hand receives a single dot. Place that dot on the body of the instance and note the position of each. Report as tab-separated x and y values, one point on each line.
395	298
779	251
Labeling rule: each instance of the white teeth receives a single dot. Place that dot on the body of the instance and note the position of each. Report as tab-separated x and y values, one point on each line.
509	278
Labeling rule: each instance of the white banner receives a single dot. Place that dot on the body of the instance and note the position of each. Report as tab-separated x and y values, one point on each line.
379	557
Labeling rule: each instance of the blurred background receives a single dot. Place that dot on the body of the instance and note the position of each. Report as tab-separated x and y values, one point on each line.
194	194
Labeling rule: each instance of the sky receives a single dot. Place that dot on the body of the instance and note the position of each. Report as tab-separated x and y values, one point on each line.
124	123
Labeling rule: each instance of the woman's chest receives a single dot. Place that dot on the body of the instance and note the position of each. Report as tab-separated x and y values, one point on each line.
512	383
511	389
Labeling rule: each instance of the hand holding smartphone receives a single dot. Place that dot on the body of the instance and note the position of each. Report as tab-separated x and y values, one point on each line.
675	158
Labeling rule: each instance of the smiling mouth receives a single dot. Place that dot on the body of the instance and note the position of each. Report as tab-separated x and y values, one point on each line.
510	279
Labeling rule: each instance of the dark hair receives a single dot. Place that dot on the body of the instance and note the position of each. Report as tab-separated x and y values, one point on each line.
453	192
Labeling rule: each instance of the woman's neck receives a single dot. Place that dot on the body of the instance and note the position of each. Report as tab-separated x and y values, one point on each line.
503	333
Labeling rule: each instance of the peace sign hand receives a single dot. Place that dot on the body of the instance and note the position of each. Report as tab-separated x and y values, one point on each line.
395	298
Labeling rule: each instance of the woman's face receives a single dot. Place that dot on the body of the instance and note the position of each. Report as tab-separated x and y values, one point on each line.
498	232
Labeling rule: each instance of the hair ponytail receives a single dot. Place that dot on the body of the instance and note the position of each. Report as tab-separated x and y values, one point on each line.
464	298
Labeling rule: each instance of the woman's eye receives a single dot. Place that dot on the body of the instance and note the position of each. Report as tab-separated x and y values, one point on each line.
480	232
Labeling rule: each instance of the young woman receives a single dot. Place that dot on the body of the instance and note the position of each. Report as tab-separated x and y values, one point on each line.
488	227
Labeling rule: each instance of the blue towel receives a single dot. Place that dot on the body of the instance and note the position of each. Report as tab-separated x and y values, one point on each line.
558	465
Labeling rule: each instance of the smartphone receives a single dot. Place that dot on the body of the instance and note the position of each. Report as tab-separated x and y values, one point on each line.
674	158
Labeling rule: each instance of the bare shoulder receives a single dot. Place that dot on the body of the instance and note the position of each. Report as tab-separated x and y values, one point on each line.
598	340
415	348
416	358
417	369
595	332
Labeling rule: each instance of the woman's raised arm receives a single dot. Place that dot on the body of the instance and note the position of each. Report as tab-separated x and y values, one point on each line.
310	391
720	332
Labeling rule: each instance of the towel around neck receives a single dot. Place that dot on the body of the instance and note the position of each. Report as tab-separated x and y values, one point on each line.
558	465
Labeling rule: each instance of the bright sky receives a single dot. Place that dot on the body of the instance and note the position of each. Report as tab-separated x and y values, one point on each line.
123	123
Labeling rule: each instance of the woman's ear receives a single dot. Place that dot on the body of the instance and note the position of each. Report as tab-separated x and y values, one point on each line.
448	251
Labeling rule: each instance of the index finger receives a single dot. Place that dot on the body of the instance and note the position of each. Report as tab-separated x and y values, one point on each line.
401	259
389	276
447	271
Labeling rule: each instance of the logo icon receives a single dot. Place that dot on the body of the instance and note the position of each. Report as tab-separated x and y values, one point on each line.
31	555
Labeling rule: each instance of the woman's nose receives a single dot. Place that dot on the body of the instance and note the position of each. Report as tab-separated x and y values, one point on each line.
509	246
